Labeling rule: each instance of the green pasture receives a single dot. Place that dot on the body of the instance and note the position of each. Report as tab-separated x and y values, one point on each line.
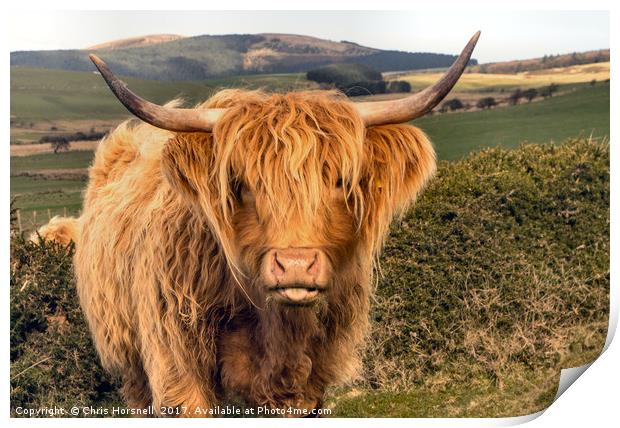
45	95
584	111
39	199
580	111
45	196
65	160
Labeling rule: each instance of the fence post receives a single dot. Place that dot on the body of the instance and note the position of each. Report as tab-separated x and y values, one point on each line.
19	221
34	218
49	214
64	211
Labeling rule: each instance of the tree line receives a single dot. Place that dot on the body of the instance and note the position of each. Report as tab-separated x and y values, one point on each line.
356	80
63	141
514	98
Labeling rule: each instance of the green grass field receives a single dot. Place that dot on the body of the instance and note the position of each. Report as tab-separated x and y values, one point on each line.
69	160
584	111
46	95
45	196
39	199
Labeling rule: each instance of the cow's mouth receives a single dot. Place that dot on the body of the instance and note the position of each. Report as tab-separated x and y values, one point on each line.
296	294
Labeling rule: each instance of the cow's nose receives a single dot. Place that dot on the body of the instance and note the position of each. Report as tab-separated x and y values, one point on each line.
296	266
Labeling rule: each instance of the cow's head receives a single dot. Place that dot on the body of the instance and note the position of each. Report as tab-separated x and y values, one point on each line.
299	188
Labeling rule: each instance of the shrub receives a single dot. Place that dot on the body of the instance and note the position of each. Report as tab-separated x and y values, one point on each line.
61	144
398	86
53	361
504	260
486	102
451	105
548	91
92	135
530	94
514	98
352	79
364	88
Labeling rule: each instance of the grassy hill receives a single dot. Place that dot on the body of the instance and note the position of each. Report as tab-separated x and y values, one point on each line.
476	81
546	62
493	282
39	95
202	57
584	111
43	95
134	42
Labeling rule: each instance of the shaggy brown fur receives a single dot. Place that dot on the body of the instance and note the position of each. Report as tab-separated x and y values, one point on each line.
59	229
175	226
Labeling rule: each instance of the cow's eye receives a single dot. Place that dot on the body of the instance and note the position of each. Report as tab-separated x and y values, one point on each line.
238	189
339	183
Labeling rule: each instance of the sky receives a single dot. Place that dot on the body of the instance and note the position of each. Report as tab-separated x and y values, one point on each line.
506	35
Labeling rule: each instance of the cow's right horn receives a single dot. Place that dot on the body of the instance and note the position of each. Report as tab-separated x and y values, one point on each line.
172	119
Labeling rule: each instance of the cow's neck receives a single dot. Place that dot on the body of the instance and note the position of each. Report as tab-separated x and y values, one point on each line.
285	356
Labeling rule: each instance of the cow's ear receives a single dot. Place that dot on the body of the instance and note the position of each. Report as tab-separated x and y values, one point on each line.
400	160
187	163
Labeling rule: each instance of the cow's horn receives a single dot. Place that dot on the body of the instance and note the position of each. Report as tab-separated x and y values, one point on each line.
172	119
408	108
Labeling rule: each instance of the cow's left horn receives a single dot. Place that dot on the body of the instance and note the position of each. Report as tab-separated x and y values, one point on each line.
172	119
408	108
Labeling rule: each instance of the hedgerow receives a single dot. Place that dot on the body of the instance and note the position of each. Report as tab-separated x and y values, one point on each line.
503	261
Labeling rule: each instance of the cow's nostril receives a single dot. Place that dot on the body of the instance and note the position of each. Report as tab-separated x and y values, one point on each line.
278	267
313	268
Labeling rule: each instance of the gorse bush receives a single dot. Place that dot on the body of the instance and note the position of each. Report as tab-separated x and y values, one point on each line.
53	360
503	262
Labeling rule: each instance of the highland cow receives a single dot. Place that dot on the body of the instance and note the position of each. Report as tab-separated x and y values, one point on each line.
231	252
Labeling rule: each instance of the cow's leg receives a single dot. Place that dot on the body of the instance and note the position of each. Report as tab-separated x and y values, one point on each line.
178	391
135	389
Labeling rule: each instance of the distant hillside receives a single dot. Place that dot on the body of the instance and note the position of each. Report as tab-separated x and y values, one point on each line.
547	61
202	57
39	95
133	42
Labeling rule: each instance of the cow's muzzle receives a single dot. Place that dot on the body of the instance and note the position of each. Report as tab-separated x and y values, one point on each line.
295	275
